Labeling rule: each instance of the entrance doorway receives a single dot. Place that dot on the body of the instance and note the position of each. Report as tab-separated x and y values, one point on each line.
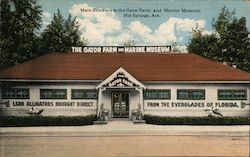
120	104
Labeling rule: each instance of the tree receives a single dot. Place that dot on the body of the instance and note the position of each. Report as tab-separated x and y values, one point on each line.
203	44
229	41
18	25
129	42
60	35
175	47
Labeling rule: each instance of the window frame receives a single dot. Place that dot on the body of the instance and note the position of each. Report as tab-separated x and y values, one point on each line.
15	90
231	90
157	94
191	93
53	93
84	93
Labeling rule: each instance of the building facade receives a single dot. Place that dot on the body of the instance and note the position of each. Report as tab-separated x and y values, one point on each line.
165	84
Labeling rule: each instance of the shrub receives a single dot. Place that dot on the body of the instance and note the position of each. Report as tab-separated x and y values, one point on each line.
47	121
164	120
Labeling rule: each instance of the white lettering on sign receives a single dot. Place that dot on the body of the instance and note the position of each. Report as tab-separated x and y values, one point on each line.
121	49
109	49
134	49
157	49
92	49
76	49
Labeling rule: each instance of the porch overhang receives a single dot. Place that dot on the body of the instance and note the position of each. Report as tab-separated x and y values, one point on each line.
121	79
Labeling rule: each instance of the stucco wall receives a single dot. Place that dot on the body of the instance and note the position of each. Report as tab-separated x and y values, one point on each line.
62	107
173	107
165	107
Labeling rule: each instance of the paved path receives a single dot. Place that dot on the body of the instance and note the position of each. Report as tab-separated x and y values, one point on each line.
123	138
123	128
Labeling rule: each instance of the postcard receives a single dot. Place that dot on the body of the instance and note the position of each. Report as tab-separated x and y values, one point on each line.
125	78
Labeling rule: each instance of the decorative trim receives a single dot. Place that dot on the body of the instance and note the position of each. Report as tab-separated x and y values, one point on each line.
120	78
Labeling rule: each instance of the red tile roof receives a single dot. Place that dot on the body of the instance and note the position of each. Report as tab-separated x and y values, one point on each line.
144	67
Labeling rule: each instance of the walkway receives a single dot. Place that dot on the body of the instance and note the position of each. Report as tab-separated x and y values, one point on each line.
124	128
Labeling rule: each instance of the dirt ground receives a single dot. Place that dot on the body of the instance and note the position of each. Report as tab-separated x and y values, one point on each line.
124	146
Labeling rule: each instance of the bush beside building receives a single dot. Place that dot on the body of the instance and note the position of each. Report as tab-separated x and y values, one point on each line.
47	121
165	120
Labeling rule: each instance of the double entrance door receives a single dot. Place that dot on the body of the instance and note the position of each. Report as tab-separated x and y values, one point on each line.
120	104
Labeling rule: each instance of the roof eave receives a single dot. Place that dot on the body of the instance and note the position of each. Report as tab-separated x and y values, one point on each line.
142	81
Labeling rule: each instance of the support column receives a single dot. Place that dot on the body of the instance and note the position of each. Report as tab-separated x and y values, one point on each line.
140	90
99	102
141	101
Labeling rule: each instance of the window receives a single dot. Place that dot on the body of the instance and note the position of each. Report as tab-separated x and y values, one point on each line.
53	93
191	94
15	93
232	94
157	94
83	94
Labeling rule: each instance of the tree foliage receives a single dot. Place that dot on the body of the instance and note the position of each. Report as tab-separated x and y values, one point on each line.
229	41
20	40
129	42
18	25
60	35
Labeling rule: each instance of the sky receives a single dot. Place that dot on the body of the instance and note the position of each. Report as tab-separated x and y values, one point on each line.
146	22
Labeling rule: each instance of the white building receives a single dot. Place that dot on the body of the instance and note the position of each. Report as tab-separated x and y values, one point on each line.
167	84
